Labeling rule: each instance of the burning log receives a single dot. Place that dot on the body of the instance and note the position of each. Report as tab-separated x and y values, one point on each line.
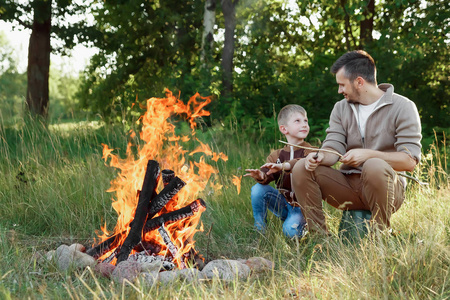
161	142
104	246
148	247
140	216
113	255
170	190
155	206
174	216
170	245
167	176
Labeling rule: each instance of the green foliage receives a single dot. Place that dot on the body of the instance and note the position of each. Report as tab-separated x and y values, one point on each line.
283	53
145	47
62	89
413	54
12	83
13	86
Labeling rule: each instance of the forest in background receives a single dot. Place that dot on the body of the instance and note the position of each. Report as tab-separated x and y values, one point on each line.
252	57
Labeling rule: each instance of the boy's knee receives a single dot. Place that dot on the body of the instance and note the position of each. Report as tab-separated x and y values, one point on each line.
291	230
257	193
257	189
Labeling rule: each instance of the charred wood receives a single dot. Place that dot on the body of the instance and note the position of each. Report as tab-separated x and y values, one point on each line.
113	255
173	249
148	189
103	247
194	260
148	247
170	190
174	216
167	176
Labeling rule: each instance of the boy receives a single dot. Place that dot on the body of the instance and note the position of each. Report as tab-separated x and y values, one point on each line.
293	123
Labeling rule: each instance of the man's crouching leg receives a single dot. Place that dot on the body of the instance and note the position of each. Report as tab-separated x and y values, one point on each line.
309	196
382	190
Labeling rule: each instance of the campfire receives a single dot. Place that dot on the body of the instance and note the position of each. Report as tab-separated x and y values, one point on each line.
156	191
156	196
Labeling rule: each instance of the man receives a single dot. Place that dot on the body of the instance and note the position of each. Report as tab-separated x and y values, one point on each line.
376	132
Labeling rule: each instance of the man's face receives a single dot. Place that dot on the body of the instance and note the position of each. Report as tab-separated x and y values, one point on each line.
297	126
347	88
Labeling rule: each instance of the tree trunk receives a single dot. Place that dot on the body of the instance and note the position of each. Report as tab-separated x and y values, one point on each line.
39	59
348	34
366	25
229	13
209	20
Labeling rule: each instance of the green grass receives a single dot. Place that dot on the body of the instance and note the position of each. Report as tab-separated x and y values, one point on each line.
53	190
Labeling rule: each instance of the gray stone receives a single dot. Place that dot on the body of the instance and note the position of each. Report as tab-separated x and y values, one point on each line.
67	257
104	269
167	277
50	255
190	275
241	260
43	257
226	270
259	265
128	270
82	260
149	278
154	266
78	247
64	257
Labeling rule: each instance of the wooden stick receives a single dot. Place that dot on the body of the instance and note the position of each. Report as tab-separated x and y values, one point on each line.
412	178
340	155
313	149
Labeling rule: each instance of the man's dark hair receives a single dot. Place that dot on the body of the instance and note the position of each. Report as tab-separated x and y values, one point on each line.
356	63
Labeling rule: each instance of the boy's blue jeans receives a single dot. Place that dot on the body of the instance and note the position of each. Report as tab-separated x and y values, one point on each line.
267	197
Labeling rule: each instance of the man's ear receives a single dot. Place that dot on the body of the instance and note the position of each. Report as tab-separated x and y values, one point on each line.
360	81
283	129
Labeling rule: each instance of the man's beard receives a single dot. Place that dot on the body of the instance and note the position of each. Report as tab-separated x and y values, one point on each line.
355	93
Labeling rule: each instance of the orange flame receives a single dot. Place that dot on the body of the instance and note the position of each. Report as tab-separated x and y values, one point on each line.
237	182
161	143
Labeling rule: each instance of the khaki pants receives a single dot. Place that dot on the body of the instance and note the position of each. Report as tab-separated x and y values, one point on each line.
377	189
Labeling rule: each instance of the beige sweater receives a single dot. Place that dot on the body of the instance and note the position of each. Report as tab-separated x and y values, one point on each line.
394	125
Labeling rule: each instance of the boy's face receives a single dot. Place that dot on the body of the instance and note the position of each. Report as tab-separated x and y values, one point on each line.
296	127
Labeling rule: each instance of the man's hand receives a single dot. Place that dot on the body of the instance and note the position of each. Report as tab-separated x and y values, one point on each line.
313	160
356	157
255	174
399	161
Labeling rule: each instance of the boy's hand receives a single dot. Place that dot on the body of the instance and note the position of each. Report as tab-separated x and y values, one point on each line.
274	168
255	174
313	160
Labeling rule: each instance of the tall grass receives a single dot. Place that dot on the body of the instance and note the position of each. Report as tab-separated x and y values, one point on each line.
52	191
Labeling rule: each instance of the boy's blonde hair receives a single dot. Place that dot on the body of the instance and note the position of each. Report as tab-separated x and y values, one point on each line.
287	111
